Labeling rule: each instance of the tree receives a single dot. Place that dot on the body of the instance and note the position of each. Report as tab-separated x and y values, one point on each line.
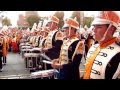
6	21
88	21
77	15
60	15
32	19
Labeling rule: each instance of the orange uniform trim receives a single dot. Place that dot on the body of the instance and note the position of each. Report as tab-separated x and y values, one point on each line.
91	59
4	47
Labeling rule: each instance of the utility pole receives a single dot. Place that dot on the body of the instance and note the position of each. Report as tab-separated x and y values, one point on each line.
81	18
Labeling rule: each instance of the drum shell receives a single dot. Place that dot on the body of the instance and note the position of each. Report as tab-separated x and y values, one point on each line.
32	62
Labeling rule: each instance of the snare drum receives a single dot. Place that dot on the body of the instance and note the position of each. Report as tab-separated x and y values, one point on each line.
23	51
44	74
32	60
22	44
35	50
24	47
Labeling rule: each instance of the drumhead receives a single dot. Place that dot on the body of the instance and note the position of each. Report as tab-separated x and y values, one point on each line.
43	73
31	55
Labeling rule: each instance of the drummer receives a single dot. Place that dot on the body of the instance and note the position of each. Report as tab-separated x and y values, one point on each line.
53	43
71	52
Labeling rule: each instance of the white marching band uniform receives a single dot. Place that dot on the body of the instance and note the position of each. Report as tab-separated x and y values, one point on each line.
102	60
64	50
48	42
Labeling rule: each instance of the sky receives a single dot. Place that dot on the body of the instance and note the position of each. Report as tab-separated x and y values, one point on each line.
13	15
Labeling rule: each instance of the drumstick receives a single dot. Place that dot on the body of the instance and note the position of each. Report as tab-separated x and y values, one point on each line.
48	62
36	49
45	56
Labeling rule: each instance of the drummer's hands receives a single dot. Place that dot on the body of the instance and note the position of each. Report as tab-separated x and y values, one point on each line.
31	45
55	64
44	49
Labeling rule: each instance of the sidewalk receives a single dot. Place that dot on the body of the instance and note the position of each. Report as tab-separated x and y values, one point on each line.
14	68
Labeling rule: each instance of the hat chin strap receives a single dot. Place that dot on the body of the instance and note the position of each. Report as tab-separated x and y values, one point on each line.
69	30
104	36
51	25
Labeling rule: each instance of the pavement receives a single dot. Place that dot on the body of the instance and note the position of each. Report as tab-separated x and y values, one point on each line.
15	67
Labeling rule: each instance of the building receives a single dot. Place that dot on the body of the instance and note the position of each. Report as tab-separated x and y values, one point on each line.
21	22
29	13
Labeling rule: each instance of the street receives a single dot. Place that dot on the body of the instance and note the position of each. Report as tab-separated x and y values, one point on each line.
15	68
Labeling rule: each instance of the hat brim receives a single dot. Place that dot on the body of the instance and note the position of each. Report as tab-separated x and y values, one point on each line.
98	21
68	27
49	21
52	21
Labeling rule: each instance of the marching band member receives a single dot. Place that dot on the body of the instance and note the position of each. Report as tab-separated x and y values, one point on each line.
4	49
1	51
15	47
103	58
89	40
18	37
71	52
9	42
34	51
45	31
53	42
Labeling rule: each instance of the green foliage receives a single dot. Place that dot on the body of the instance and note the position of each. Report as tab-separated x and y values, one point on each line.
77	15
32	19
88	21
60	15
6	21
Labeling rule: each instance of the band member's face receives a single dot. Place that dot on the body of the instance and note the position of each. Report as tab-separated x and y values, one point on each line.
71	32
66	32
45	34
52	25
39	33
42	33
98	31
32	34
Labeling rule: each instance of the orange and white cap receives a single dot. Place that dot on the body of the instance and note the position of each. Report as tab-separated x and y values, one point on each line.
45	29
1	34
107	17
71	23
53	19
